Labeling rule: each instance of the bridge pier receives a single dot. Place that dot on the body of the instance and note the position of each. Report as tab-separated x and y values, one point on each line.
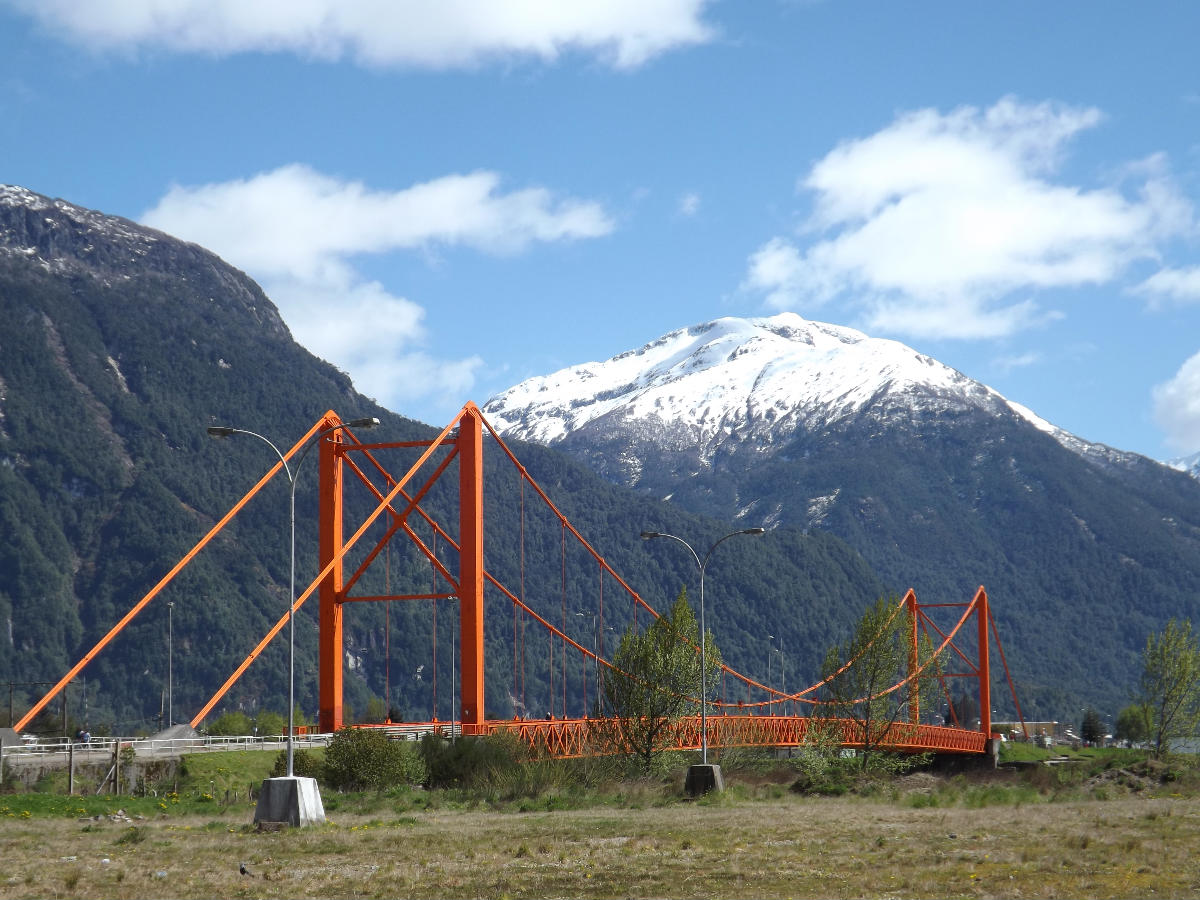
969	762
293	800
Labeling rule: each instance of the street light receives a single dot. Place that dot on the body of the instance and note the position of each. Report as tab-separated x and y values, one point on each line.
782	676
701	565
770	637
170	663
224	431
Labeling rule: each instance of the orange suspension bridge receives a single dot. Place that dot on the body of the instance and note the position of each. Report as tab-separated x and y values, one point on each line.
762	714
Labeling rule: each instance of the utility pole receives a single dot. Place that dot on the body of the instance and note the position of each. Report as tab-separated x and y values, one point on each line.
170	663
770	637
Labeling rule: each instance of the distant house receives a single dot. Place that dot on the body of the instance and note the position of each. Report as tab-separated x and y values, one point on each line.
1041	732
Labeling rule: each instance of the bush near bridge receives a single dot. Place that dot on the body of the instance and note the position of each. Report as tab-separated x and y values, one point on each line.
365	759
305	764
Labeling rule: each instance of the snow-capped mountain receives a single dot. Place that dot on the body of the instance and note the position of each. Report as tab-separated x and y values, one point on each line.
1189	464
937	480
748	384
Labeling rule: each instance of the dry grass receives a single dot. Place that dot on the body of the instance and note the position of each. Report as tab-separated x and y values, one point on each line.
788	846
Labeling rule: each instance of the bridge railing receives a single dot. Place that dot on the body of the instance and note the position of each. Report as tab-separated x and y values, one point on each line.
567	738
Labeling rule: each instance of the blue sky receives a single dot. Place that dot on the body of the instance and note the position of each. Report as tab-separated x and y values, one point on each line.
446	198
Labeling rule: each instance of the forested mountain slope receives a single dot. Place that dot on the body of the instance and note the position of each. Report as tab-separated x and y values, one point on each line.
119	345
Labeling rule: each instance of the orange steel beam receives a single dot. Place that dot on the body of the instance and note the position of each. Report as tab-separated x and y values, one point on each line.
366	449
163	582
400	519
381	598
470	565
985	679
245	664
563	519
1008	675
914	694
331	551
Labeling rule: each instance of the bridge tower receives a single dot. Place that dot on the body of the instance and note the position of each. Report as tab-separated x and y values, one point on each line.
468	445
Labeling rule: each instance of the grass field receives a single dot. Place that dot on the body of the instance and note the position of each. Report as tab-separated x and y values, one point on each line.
1100	832
787	847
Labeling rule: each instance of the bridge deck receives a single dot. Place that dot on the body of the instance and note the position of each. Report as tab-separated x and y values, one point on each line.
572	738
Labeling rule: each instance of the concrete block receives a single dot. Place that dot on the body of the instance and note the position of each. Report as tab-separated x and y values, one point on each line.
295	800
703	778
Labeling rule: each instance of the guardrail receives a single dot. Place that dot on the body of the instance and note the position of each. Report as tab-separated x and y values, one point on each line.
151	746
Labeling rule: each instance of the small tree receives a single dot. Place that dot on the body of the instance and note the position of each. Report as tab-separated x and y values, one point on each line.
655	682
1091	729
860	673
470	762
305	764
365	759
1133	724
270	723
1170	685
234	722
376	710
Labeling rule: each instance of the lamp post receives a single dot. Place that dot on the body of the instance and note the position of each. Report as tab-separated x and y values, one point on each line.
224	431
170	663
701	565
782	676
770	637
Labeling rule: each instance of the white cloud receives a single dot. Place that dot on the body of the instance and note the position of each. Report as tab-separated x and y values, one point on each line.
297	232
296	221
689	204
929	226
1177	407
1020	361
382	33
1178	285
777	270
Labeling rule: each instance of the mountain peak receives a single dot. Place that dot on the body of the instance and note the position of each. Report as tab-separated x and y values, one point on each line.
730	375
14	195
733	384
1189	464
61	238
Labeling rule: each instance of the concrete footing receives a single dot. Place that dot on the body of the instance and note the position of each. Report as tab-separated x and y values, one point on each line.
703	778
295	801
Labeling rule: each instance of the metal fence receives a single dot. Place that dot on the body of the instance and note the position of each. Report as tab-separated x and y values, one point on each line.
160	746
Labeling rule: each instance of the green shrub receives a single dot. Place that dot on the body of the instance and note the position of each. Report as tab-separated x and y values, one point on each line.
364	759
270	723
470	762
304	763
231	723
132	835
